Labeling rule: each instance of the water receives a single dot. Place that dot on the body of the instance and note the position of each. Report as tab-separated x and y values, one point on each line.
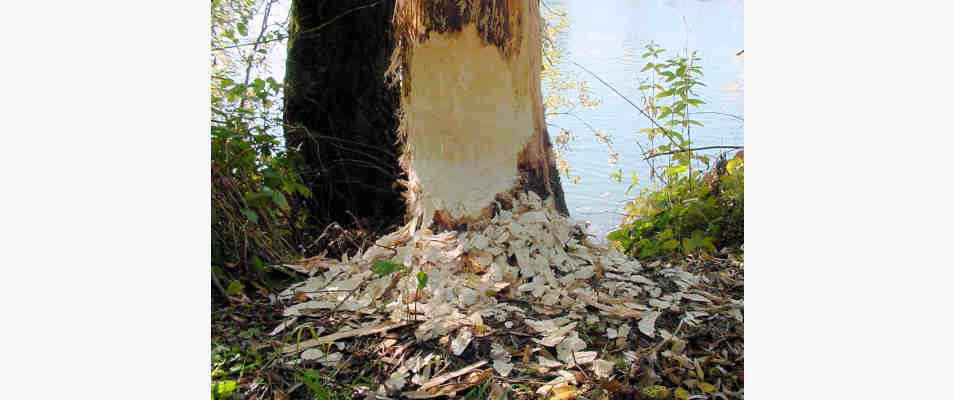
599	34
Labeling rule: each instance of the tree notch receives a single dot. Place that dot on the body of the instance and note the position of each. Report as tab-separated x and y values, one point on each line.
472	122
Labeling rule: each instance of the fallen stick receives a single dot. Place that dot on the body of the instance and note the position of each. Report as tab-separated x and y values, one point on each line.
450	375
616	310
368	330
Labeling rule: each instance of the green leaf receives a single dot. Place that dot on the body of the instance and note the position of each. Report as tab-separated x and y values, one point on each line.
422	280
733	165
223	389
258	199
666	234
251	215
311	378
617	176
664	111
384	267
617	235
670	244
257	264
235	288
271	178
279	199
676	169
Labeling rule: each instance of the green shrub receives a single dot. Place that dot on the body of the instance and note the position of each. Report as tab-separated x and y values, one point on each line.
683	218
252	184
685	210
255	183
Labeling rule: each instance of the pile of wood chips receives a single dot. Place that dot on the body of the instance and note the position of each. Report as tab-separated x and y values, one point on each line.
522	304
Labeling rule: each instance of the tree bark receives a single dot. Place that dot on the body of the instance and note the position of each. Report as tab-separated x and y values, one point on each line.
341	114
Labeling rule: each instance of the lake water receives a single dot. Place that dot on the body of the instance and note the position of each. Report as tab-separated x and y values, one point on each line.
600	32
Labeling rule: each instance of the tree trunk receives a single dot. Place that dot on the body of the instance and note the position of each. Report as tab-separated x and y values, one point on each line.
473	122
470	110
340	114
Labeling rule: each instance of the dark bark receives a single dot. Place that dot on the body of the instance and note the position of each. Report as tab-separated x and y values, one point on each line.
542	177
340	113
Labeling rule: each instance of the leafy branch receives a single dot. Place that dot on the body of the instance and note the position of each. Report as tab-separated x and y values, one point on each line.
655	154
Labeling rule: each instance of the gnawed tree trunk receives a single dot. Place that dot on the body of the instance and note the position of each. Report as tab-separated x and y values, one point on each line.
473	122
470	108
340	114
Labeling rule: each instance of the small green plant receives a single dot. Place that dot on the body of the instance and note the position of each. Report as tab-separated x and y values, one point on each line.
229	365
422	280
655	392
691	205
223	389
312	380
385	267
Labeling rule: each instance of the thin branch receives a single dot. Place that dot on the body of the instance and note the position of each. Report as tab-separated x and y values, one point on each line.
312	30
693	149
592	129
631	103
339	16
251	60
544	3
737	117
250	43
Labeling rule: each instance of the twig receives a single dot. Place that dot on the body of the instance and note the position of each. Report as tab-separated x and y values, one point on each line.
370	330
594	131
251	61
222	291
446	377
277	38
547	6
693	149
631	103
339	16
737	117
313	30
